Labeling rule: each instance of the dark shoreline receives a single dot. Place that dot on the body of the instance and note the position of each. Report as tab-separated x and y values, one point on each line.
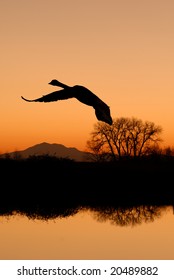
47	186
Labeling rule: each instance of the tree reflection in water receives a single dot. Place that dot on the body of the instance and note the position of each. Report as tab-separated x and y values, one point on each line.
129	216
122	216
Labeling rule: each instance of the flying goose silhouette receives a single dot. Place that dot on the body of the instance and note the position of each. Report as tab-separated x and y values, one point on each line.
84	95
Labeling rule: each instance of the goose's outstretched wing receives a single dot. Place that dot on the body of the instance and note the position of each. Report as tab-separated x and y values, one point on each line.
53	96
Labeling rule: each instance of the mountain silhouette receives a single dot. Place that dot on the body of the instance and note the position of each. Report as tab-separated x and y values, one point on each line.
54	149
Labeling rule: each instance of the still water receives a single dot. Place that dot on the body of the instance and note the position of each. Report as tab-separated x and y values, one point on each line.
89	235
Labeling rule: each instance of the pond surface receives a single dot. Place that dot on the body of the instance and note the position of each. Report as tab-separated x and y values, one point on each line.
90	235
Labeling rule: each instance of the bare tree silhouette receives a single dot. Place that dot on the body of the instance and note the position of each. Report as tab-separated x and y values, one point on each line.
81	93
126	137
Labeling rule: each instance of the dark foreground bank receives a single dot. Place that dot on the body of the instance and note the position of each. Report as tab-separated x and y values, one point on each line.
49	186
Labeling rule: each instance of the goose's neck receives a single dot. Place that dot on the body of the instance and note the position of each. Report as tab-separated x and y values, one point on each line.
59	84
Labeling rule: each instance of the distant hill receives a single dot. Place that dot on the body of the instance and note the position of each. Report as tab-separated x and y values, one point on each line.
57	150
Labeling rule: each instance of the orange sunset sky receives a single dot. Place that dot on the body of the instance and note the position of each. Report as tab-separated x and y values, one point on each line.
122	50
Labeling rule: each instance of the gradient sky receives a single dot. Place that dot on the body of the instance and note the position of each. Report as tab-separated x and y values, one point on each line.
123	51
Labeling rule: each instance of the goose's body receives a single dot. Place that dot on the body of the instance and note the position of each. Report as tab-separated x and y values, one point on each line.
81	93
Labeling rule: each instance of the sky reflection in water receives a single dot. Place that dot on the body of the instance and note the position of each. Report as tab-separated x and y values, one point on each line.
137	233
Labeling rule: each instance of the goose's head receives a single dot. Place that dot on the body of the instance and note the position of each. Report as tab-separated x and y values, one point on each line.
58	84
54	83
